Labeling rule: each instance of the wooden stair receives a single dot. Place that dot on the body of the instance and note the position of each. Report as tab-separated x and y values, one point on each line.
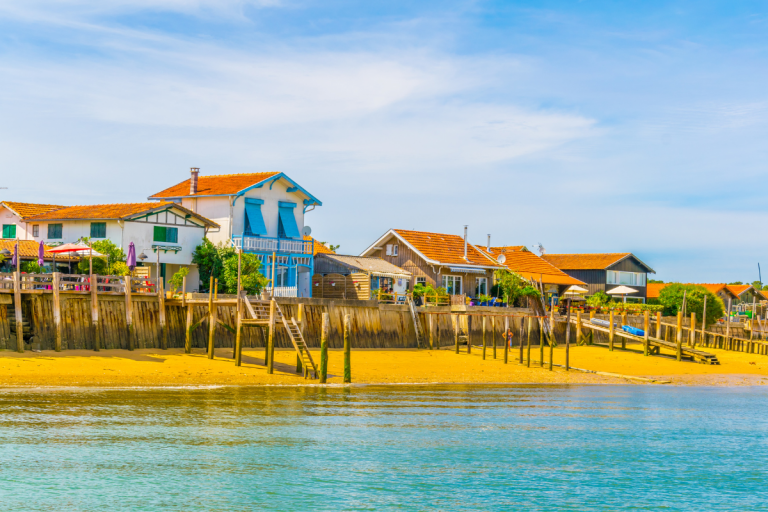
294	333
26	326
418	328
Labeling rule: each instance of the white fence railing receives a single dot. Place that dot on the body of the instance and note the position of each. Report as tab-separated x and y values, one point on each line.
283	291
263	244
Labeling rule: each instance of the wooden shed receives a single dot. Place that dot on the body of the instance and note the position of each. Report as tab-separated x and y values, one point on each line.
354	277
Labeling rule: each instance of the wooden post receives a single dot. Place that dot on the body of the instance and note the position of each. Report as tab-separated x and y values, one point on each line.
456	332
568	335
646	327
578	327
506	340
623	322
551	349
347	354
726	341
188	335
522	330
17	309
184	291
541	343
239	334
530	325
214	284
431	323
95	312
300	321
703	323
692	333
610	331
128	312
658	325
679	335
484	342
469	334
57	310
161	315
493	334
271	337
239	298
326	327
591	314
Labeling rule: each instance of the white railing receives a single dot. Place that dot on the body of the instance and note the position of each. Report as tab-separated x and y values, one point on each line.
266	244
283	291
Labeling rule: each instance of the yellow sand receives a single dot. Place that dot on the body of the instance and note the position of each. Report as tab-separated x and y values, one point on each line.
152	367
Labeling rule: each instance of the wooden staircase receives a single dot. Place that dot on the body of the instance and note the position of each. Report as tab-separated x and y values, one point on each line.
417	327
26	326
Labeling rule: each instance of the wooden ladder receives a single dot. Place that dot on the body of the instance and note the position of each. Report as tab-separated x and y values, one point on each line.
26	326
294	333
417	327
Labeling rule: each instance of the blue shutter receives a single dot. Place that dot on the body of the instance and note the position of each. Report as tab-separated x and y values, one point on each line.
289	221
254	219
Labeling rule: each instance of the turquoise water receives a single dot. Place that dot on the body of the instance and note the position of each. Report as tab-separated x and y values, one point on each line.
386	448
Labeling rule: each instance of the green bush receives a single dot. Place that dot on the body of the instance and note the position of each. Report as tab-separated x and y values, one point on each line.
31	267
671	298
220	262
598	300
513	287
177	280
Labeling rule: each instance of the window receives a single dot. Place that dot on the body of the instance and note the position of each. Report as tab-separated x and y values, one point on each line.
389	249
98	230
166	234
482	286
281	276
452	284
626	278
9	230
421	281
54	231
286	222
36	230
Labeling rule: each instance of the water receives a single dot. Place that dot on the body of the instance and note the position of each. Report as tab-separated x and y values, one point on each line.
385	448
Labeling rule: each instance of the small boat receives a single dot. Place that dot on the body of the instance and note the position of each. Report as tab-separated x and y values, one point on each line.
603	323
633	330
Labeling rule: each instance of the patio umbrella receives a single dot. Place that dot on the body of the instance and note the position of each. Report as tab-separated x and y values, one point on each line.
41	254
575	290
76	249
131	260
621	290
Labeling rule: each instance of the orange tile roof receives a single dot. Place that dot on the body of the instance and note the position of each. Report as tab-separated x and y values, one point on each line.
738	289
223	184
445	249
530	266
654	289
320	248
28	250
26	210
585	261
112	211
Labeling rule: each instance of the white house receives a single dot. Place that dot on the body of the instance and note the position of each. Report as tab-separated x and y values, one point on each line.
14	218
261	212
165	232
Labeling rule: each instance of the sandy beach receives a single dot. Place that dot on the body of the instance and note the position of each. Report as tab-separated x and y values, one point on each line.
152	367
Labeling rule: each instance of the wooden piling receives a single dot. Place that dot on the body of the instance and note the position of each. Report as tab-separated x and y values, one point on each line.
568	335
623	322
541	343
551	348
658	325
271	337
530	326
469	334
161	315
95	312
578	328
57	310
646	327
456	331
326	327
679	335
239	335
493	334
128	312
522	330
431	323
188	332
726	340
484	342
704	324
506	339
300	321
17	310
347	351
692	332
610	331
214	283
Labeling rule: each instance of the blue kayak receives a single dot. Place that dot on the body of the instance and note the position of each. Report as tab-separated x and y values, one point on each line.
633	330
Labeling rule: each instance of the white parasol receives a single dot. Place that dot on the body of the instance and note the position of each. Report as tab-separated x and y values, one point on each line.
621	290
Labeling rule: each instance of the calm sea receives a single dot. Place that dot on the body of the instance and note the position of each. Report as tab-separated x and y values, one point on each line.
386	448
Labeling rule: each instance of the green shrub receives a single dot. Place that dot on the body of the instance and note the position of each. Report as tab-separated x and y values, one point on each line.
671	298
31	267
177	280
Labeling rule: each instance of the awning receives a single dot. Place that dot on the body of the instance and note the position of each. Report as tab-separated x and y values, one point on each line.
289	222
395	276
255	219
467	270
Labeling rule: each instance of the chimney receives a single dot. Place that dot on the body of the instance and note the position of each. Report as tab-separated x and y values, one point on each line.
194	171
489	243
465	242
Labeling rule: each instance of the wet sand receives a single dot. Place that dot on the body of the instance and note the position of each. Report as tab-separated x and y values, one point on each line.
152	367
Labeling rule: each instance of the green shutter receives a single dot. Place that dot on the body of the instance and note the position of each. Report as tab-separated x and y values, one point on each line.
160	233
172	235
54	231
98	230
9	230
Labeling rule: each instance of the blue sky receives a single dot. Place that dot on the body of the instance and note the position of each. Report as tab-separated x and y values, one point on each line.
586	126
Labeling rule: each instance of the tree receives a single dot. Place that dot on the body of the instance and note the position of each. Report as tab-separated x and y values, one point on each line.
208	261
31	267
655	281
757	285
736	282
514	287
178	279
112	265
599	299
220	262
671	297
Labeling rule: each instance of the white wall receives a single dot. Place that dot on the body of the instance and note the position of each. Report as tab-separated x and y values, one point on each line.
215	209
8	217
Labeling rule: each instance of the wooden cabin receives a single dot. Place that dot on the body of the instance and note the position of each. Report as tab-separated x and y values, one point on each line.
356	277
605	271
437	259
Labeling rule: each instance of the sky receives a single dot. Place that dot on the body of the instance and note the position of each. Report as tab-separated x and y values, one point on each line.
591	126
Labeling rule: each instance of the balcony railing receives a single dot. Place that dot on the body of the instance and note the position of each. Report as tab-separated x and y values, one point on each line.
268	244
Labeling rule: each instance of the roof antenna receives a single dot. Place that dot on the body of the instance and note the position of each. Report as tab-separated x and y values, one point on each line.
540	248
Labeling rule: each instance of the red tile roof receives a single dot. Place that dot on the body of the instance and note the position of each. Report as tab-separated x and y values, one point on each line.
26	210
112	212
320	248
530	266
654	289
28	250
585	261
738	289
223	184
444	249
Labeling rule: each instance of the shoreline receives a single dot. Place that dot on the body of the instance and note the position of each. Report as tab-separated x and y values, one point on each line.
172	369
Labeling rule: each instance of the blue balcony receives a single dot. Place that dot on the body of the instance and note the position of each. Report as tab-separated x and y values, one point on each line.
293	262
265	244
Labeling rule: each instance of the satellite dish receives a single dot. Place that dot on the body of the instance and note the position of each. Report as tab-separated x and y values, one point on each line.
501	259
307	231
